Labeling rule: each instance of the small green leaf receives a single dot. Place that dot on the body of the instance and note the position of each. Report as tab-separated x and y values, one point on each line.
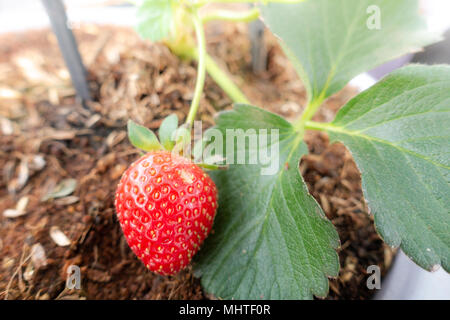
332	41
64	188
167	130
271	239
142	138
399	134
182	140
154	19
209	166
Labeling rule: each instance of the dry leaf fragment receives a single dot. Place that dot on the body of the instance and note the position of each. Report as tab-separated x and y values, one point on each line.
64	188
59	237
67	200
115	137
23	175
19	210
37	162
38	257
7	93
28	273
6	126
45	296
22	204
93	120
8	263
12	213
52	134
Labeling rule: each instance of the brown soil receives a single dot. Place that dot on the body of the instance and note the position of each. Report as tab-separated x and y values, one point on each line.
40	122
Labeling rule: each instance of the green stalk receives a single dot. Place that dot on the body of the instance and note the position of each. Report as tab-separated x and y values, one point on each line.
222	79
234	16
201	3
309	112
320	126
201	69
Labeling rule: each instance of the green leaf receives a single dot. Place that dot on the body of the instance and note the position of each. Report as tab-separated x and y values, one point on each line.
329	41
182	140
142	138
271	239
154	19
166	131
64	188
399	134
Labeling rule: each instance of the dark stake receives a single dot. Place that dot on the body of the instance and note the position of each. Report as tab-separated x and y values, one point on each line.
258	49
68	46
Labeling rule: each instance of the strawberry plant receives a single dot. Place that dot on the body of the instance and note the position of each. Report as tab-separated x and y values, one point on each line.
271	238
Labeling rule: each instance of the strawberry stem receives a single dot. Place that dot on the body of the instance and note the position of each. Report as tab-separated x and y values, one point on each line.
234	16
201	69
309	112
221	77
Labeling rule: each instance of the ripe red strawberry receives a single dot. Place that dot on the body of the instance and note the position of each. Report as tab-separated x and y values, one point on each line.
166	207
